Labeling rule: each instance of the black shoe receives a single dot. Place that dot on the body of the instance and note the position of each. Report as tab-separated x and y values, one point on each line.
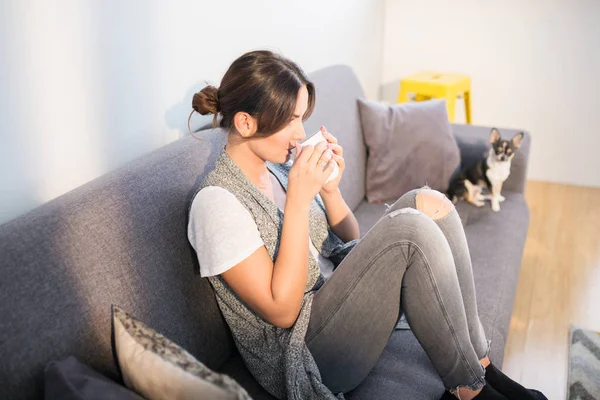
509	388
537	394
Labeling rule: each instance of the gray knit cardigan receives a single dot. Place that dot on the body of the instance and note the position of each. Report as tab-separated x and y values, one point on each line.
278	358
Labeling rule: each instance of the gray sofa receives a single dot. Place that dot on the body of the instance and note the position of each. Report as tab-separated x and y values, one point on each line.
122	239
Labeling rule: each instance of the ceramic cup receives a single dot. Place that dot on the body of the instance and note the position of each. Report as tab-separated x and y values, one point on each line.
313	140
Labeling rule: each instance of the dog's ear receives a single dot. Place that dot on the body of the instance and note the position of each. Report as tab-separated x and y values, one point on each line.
518	139
494	136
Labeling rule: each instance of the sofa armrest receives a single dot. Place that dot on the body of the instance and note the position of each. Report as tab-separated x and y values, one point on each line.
473	142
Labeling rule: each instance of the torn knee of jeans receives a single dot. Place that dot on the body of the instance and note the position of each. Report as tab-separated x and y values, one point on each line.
434	204
405	210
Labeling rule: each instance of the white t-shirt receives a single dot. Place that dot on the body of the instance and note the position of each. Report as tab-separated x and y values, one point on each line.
223	232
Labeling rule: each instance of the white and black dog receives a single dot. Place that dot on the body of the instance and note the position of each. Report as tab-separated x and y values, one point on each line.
489	172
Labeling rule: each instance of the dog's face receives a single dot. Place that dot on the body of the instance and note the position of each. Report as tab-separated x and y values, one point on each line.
504	150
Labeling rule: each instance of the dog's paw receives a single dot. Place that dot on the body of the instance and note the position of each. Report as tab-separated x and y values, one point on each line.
479	203
501	198
495	206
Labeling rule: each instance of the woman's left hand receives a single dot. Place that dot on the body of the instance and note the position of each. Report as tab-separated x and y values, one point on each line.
338	157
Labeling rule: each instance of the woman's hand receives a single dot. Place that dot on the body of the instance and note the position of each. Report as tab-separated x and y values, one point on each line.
338	157
312	166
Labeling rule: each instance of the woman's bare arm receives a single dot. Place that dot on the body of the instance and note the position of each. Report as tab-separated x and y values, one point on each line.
341	218
275	291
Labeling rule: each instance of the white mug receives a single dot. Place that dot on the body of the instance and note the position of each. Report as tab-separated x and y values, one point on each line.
313	140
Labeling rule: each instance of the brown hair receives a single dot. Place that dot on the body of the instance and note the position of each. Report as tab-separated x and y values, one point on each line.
261	83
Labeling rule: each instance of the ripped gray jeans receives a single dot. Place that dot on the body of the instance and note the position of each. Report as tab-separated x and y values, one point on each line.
406	262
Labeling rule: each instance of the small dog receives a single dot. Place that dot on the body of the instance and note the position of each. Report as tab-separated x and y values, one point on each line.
489	172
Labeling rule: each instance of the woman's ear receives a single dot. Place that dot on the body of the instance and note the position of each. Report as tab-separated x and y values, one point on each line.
245	124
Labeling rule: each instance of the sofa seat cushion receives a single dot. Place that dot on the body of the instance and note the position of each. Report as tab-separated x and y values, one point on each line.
496	244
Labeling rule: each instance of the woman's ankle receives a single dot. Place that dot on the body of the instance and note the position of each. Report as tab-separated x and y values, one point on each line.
485	361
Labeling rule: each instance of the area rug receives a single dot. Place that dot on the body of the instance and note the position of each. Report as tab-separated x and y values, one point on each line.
584	365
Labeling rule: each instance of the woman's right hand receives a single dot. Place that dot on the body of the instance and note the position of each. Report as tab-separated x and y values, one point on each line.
312	166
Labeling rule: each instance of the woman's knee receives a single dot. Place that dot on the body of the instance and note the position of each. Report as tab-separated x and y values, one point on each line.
433	203
430	202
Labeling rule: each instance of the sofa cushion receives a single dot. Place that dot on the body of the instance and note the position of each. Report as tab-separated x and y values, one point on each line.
496	277
69	379
159	369
409	145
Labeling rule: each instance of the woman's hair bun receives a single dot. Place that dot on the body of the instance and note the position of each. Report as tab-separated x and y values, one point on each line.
206	101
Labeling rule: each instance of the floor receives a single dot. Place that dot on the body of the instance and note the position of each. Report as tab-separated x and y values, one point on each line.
559	284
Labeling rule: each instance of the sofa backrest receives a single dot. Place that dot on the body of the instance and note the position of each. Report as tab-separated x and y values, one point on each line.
121	239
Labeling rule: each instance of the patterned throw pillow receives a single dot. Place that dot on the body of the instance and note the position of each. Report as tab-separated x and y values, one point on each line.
159	369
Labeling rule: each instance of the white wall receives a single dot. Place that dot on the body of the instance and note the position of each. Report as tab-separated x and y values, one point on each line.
534	64
88	85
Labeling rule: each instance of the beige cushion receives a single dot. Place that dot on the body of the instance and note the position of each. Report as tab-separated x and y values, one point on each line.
408	145
157	368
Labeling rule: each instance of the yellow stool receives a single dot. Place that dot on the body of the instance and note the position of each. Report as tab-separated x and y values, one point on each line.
427	84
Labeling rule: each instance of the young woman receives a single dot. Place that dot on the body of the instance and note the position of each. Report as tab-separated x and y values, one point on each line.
263	226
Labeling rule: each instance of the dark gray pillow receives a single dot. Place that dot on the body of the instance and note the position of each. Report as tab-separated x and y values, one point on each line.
408	145
69	379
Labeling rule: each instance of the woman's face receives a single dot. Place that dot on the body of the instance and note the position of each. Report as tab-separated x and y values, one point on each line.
276	147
